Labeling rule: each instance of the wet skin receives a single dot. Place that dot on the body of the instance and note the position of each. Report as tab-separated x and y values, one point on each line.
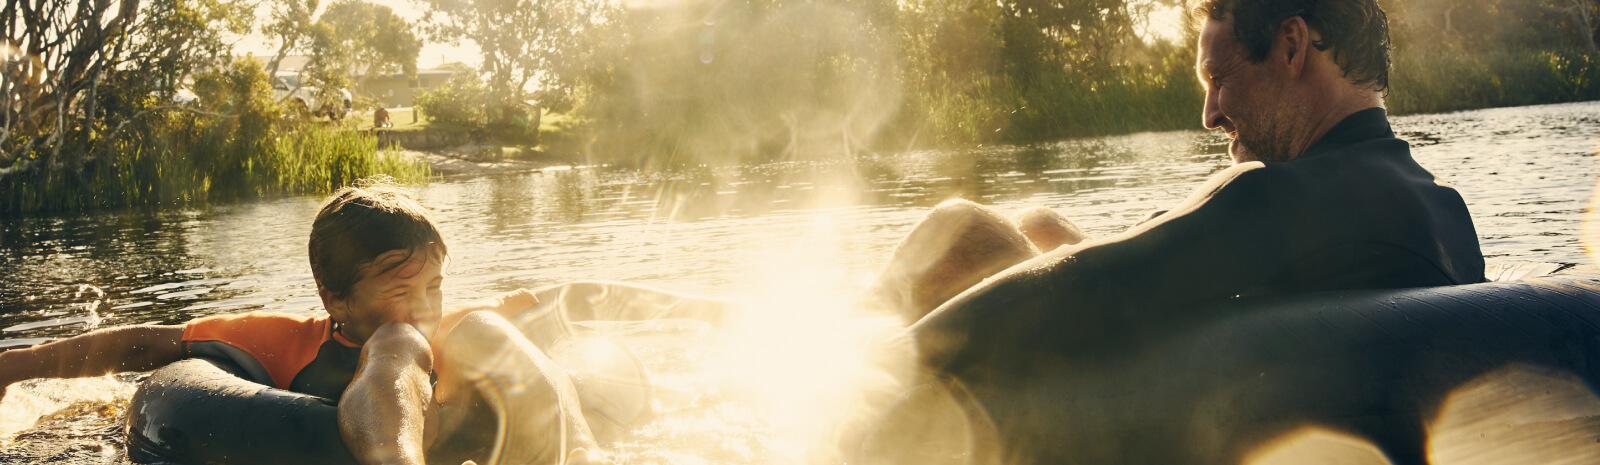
409	292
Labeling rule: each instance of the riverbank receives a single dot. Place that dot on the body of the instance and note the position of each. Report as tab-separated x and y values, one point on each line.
482	160
202	160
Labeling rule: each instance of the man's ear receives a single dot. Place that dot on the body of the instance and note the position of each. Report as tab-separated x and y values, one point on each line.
1293	45
333	304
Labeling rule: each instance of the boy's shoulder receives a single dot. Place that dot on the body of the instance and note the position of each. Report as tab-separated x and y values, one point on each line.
259	328
271	348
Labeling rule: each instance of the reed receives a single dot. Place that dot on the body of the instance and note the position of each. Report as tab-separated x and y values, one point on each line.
184	161
1448	79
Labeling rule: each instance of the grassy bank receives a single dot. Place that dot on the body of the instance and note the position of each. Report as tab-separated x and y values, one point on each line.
314	159
234	142
1455	80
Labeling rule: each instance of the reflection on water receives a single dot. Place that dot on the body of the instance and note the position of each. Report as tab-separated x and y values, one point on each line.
794	241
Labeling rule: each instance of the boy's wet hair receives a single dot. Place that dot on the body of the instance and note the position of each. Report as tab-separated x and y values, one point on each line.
359	223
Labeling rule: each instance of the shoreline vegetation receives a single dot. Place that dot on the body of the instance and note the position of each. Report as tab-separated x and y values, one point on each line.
702	83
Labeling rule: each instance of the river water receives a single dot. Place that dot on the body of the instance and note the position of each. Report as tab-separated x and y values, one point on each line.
794	241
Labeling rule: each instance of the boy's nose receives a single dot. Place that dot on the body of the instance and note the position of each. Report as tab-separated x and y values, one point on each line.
420	312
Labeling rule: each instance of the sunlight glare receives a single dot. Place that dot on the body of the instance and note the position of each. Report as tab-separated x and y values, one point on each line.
1316	446
1519	414
1165	24
1589	239
800	354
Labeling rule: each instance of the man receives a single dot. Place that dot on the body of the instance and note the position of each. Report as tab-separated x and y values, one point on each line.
1322	197
380	118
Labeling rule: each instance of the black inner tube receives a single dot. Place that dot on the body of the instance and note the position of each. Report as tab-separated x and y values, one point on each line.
200	411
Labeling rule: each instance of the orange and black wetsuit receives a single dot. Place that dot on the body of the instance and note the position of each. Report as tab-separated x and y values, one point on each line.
294	352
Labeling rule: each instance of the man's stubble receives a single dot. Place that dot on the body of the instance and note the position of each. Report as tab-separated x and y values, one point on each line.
1269	135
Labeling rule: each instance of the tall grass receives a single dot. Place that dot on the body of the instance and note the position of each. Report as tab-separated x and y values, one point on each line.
1453	79
183	167
322	159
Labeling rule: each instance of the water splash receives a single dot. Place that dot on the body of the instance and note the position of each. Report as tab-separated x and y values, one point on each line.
93	306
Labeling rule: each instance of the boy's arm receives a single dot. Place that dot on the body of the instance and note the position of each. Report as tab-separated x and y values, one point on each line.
126	348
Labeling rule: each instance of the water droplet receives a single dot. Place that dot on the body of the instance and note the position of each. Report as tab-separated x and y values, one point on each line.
705	57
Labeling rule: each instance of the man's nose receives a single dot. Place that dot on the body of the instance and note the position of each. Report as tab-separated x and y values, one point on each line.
1211	116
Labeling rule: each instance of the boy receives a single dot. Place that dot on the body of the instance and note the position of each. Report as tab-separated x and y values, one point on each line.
378	262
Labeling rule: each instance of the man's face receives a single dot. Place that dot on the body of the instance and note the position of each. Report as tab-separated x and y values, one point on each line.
1245	99
409	293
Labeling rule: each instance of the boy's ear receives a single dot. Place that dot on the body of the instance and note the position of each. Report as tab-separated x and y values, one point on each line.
334	305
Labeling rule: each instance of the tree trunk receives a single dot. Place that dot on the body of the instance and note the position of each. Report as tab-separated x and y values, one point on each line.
1583	22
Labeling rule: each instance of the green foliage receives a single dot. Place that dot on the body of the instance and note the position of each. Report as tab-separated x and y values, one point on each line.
671	85
368	38
350	38
236	144
1451	56
1448	80
769	79
463	104
530	47
320	159
458	103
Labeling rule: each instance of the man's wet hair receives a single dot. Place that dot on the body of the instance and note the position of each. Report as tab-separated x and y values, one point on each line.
1357	31
359	223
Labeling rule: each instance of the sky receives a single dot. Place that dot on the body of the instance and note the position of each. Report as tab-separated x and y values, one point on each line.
1165	23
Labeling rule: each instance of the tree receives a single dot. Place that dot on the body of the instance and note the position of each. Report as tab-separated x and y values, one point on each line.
81	70
530	47
1585	17
351	37
358	37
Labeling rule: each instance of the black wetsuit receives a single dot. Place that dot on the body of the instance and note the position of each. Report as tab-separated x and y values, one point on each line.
1355	211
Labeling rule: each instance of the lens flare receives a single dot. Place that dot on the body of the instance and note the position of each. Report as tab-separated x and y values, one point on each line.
1519	414
1590	241
1314	446
801	357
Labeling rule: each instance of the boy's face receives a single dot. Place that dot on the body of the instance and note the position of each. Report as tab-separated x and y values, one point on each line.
409	293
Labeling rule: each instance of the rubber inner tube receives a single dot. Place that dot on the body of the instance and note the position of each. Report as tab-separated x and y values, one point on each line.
200	411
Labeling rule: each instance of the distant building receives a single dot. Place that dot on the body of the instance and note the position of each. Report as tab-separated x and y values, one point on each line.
389	90
399	90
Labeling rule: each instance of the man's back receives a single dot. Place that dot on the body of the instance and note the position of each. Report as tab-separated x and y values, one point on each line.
1370	217
1355	211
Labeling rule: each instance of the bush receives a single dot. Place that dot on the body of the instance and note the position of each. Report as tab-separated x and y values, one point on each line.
459	102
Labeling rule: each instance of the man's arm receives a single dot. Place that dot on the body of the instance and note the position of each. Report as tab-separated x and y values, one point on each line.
507	305
126	348
383	415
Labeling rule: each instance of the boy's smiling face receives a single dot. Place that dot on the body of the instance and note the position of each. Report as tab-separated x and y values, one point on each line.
398	285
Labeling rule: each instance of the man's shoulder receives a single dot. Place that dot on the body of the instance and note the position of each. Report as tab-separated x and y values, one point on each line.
1251	182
